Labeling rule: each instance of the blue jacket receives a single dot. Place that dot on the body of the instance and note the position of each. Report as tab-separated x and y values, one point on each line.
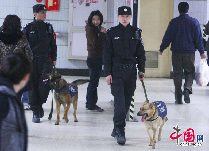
184	34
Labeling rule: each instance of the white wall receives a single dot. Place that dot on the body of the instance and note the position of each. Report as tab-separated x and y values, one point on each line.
59	20
198	9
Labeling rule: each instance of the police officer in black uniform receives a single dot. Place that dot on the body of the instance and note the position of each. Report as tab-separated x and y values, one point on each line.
42	42
124	49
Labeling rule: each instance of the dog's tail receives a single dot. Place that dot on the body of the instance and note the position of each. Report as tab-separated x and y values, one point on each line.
80	81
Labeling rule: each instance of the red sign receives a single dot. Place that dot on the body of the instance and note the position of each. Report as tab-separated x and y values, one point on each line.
52	5
39	1
189	135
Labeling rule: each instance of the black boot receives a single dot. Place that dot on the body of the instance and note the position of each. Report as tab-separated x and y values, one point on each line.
113	134
186	96
120	136
36	118
41	112
178	97
95	108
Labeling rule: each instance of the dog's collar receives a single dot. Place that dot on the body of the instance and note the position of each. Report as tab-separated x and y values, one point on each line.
152	119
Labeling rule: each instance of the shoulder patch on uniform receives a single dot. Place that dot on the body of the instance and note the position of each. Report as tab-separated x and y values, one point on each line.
50	28
139	30
137	33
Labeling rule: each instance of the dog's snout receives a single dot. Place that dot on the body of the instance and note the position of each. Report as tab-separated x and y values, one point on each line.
138	114
141	109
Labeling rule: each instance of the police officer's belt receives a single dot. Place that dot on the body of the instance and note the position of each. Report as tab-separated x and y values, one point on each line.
125	66
40	56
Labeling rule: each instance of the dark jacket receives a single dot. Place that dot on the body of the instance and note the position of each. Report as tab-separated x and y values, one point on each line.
13	128
95	41
14	43
41	39
124	45
184	34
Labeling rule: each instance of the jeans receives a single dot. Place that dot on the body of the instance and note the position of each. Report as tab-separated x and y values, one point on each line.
25	97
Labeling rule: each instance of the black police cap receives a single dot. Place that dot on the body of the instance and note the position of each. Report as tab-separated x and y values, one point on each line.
39	7
124	10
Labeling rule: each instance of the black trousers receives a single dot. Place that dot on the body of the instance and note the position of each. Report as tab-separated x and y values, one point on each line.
39	90
183	64
95	69
122	88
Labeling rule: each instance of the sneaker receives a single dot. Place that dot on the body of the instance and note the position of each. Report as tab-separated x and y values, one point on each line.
186	96
26	106
96	108
35	118
120	136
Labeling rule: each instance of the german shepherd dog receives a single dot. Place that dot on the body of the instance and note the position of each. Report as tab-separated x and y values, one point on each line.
154	115
65	94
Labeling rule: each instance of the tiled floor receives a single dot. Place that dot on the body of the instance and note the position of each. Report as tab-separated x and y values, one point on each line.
92	132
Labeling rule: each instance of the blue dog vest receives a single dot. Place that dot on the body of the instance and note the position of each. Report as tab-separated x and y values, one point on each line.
161	107
72	90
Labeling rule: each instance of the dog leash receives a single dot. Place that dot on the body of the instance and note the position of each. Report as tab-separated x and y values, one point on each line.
54	71
145	92
51	112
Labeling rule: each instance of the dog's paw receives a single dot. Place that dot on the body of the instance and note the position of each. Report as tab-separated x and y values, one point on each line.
150	144
66	120
56	123
75	120
159	138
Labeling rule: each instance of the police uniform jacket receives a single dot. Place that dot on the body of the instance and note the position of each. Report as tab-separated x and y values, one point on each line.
124	45
41	38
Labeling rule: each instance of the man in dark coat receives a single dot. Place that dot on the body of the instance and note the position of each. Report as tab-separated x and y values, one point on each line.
185	36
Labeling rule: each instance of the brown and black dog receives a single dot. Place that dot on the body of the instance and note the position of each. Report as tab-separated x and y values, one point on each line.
65	94
154	115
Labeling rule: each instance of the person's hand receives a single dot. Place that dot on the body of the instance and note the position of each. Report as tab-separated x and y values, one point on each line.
108	79
203	56
141	76
54	62
103	30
